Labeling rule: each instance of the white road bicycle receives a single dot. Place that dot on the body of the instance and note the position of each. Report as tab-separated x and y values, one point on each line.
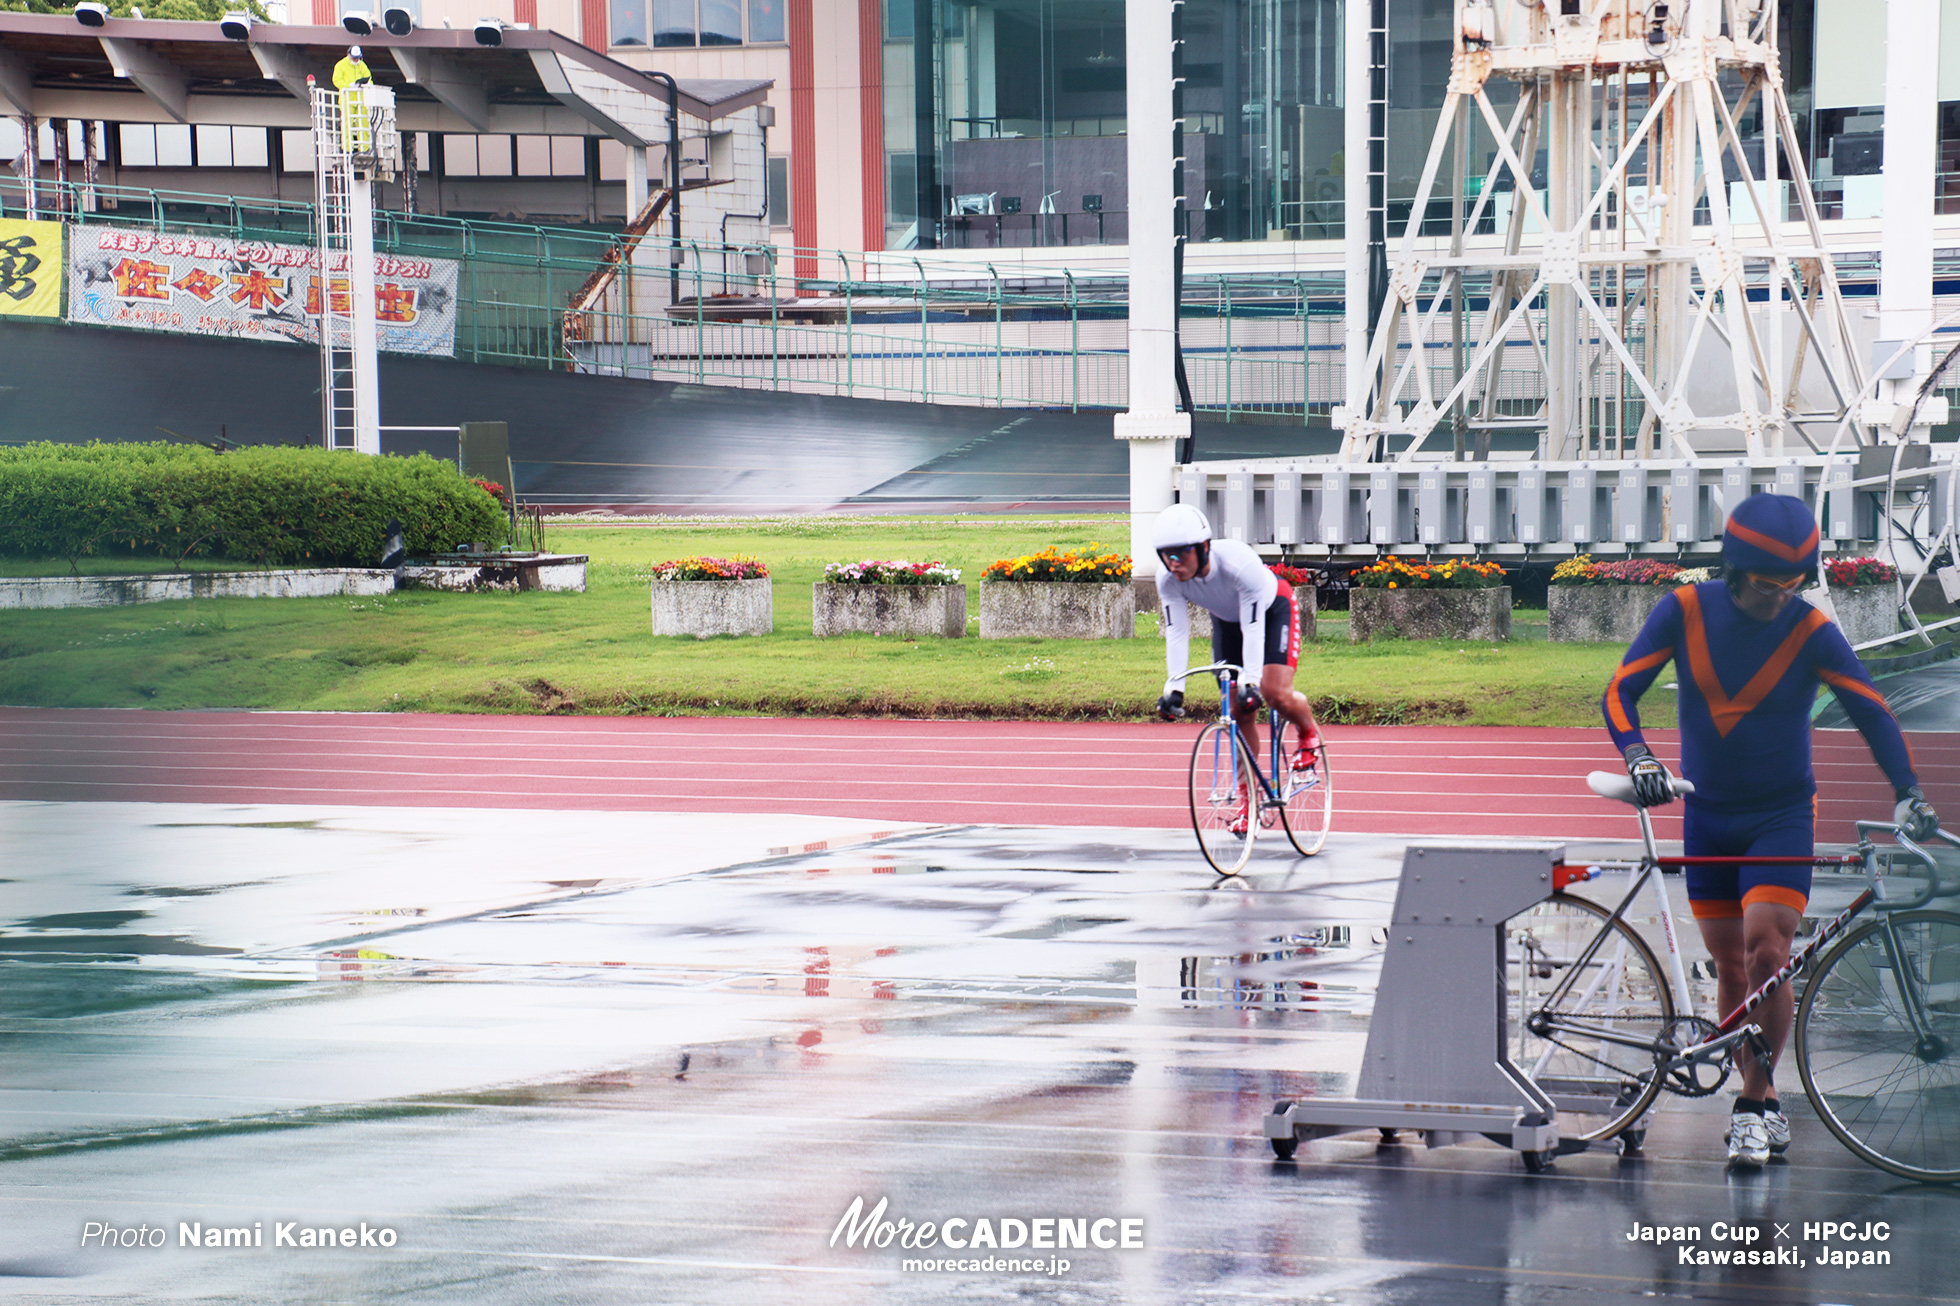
1233	798
1603	1029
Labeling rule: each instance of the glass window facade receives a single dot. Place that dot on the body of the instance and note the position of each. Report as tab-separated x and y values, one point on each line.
685	23
1005	119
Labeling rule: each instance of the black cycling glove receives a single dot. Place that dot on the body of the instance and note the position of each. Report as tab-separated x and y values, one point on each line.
1171	706
1651	784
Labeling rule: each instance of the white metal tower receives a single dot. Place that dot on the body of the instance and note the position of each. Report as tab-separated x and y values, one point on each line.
355	143
1632	177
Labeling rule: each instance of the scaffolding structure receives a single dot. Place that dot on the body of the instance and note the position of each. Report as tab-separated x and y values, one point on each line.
355	144
1647	268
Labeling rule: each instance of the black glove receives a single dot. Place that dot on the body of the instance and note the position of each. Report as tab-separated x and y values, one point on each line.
1246	698
1651	784
1171	706
1915	816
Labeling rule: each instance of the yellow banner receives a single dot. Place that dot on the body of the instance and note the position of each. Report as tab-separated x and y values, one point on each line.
30	268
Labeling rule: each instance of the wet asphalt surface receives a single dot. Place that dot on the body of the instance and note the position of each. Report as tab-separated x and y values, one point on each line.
610	1057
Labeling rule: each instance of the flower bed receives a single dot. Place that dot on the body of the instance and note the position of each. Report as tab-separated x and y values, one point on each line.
1082	566
1856	573
1440	600
1450	574
704	597
1582	570
739	567
1078	594
889	598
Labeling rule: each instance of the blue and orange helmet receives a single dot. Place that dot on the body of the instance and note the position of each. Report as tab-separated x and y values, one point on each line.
1771	533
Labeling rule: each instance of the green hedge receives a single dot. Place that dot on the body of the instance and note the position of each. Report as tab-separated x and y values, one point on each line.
269	505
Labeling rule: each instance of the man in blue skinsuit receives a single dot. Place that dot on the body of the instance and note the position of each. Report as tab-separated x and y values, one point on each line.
1750	658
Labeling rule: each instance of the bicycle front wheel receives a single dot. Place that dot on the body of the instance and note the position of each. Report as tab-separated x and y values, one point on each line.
1222	789
1599	1086
1309	790
1887	1083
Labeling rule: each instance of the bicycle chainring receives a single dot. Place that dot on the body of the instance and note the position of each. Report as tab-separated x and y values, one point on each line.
1699	1078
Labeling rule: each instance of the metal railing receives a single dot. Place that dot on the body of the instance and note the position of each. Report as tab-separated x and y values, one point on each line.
927	326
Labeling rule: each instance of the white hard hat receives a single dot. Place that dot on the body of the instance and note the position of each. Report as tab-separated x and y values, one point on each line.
1179	525
353	52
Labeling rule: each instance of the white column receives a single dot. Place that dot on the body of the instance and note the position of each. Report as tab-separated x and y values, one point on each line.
1905	276
360	288
1354	209
1153	421
636	180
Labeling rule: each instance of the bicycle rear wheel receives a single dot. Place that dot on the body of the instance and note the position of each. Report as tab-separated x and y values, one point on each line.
1221	784
1889	1094
1599	1086
1309	792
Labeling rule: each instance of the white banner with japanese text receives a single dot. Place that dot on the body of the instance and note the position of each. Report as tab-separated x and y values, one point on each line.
207	286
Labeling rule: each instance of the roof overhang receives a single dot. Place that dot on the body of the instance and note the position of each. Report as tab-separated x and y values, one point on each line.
154	70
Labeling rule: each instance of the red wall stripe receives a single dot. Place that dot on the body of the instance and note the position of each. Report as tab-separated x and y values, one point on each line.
324	15
527	12
591	22
871	117
803	136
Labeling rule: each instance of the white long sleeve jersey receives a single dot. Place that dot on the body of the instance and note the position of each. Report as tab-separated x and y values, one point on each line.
1237	586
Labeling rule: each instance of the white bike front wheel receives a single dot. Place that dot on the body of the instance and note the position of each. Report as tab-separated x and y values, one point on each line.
1223	813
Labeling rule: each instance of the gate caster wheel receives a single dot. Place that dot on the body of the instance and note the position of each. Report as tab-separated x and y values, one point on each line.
1536	1162
1632	1141
1283	1148
1389	1135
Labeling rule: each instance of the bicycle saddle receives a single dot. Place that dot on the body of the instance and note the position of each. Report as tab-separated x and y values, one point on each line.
1618	785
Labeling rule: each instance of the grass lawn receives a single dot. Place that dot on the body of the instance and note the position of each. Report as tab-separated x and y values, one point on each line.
591	652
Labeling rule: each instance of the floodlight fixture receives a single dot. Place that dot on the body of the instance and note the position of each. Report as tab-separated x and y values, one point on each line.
358	21
236	27
489	31
91	14
398	20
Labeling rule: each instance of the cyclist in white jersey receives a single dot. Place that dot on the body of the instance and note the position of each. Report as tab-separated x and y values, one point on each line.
1254	623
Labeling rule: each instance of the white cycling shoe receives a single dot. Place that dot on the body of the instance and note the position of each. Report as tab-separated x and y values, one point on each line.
1748	1140
1777	1125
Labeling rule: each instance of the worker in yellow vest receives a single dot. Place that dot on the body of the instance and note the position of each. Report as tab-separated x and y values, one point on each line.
350	77
351	71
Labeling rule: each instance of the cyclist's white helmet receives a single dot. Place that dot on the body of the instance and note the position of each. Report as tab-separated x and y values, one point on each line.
1179	525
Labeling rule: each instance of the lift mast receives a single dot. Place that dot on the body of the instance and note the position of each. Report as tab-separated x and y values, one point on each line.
355	144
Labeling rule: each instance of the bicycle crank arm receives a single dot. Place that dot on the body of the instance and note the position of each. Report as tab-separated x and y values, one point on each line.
1715	1049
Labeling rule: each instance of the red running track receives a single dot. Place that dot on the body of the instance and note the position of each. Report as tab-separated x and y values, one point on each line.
1418	780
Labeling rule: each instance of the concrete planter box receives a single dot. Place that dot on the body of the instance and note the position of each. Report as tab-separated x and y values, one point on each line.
1042	609
905	610
113	591
1869	611
1601	614
1430	614
704	608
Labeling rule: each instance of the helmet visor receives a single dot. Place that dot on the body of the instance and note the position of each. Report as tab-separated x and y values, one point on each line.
1172	556
1767	583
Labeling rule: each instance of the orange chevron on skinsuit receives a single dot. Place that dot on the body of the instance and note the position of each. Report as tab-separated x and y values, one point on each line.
1793	555
1726	711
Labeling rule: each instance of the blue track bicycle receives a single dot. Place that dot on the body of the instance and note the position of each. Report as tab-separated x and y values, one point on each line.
1233	798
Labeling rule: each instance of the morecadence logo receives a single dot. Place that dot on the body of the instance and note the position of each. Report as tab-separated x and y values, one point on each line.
868	1230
